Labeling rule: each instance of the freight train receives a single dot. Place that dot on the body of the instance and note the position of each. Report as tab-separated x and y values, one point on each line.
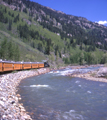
11	65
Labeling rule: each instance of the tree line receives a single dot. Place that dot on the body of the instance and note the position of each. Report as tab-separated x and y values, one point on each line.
86	58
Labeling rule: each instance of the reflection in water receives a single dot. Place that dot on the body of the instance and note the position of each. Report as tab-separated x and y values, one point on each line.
54	96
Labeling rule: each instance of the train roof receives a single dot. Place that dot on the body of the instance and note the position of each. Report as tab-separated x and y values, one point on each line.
20	62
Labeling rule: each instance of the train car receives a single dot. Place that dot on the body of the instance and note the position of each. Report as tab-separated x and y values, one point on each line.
18	66
7	66
26	65
35	65
41	64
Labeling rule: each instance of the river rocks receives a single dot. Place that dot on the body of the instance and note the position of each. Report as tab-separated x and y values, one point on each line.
0	89
2	103
97	75
10	109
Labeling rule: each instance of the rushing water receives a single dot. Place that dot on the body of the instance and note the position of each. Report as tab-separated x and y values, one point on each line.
54	96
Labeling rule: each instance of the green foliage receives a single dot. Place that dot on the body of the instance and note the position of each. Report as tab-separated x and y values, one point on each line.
81	59
104	58
87	58
4	49
9	51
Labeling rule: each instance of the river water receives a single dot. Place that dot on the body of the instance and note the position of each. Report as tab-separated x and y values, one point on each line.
54	96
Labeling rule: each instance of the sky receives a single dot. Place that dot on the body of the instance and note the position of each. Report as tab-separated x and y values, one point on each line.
93	10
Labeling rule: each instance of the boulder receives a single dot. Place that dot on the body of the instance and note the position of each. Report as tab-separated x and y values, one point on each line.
102	72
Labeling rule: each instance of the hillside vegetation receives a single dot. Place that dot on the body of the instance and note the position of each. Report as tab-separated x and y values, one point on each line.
39	33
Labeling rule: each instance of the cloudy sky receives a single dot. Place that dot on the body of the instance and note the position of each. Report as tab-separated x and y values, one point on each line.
93	10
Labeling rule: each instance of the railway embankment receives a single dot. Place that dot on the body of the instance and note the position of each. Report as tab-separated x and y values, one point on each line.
10	108
96	75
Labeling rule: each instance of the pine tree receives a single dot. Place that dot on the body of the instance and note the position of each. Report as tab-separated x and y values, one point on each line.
47	51
10	25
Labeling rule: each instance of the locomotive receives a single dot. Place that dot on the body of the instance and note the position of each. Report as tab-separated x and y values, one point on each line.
11	65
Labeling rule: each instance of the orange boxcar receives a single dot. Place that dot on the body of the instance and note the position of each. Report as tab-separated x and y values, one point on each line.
35	65
17	66
8	66
27	66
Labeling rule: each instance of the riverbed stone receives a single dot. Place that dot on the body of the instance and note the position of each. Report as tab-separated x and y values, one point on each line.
0	89
2	103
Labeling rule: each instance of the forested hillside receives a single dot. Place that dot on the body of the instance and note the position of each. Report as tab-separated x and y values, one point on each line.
40	32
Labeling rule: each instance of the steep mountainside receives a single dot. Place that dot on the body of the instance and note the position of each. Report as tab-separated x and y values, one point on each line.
55	34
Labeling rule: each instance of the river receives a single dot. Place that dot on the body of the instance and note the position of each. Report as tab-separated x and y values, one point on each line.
55	96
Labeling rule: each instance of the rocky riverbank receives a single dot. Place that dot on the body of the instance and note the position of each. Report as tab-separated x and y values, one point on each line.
97	75
10	108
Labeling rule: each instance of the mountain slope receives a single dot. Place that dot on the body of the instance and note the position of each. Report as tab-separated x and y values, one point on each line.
45	33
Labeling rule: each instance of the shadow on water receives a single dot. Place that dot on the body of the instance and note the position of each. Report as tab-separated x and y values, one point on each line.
53	96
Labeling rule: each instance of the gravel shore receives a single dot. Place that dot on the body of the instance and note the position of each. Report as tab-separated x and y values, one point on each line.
10	108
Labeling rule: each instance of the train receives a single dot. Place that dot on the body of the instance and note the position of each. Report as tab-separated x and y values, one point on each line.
6	66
